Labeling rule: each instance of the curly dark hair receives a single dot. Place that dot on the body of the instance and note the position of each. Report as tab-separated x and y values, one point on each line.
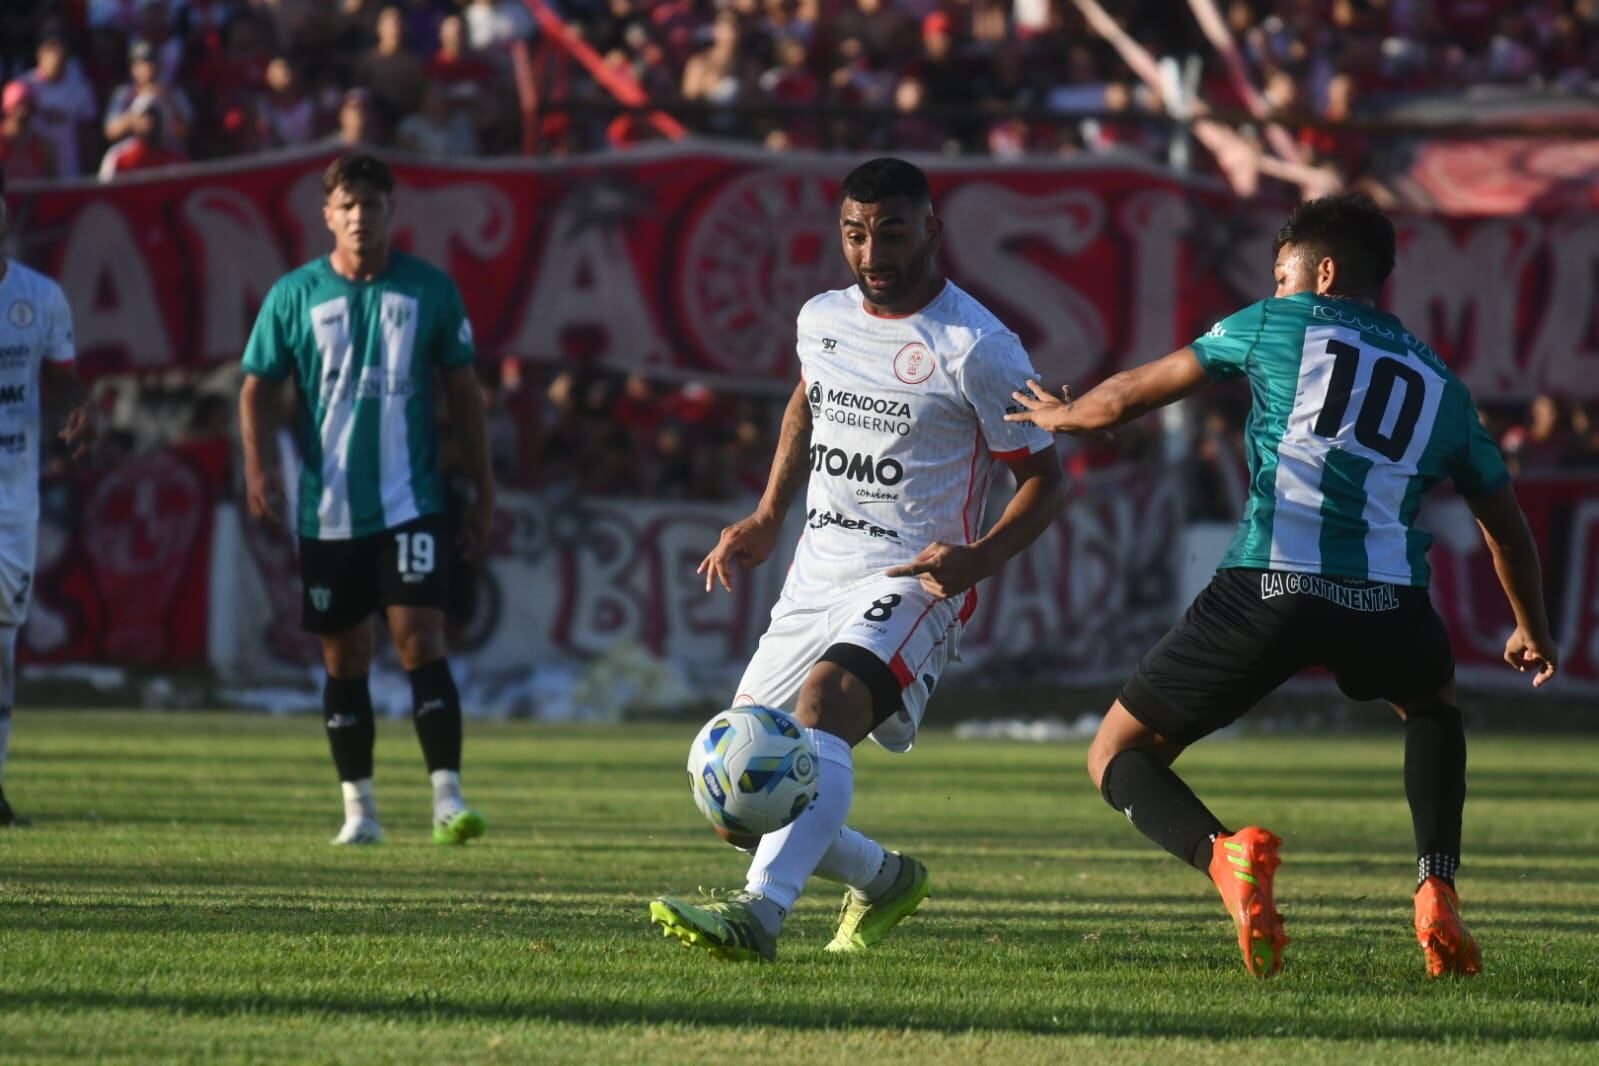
1351	230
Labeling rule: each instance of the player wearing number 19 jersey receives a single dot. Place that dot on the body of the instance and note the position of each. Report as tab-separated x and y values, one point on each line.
894	430
367	335
1353	420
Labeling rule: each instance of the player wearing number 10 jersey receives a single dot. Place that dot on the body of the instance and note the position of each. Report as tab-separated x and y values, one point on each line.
367	334
1353	419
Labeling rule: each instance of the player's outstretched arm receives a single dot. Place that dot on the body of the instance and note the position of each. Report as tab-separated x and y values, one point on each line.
1515	554
67	398
469	423
750	540
1117	400
258	426
950	569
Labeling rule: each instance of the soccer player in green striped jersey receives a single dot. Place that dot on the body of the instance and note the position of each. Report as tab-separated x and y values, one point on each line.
1353	419
367	334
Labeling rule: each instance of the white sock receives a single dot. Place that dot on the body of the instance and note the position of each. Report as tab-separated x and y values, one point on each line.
359	800
853	859
8	688
447	799
788	857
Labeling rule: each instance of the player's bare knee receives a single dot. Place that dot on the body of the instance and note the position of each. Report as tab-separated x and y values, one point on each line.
348	654
835	701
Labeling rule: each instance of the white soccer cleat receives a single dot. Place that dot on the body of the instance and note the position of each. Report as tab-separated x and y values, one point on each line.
360	831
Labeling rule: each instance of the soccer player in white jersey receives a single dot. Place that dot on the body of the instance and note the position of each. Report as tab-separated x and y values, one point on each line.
368	334
35	347
895	429
1353	419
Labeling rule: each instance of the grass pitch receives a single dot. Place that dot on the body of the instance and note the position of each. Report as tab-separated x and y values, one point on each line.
176	900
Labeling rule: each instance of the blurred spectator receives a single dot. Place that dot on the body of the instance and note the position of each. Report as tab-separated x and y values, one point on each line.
24	153
912	132
358	124
454	65
145	147
436	130
64	104
492	26
390	72
1542	442
152	28
177	114
288	115
718	73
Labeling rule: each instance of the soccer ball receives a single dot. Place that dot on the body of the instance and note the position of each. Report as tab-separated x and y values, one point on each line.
752	770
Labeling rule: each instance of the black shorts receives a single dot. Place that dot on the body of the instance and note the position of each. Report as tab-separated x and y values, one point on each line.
1251	630
344	581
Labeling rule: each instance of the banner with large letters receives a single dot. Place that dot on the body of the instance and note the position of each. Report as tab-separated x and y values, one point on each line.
691	261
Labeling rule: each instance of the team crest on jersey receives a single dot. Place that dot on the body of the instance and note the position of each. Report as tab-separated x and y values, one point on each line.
321	597
914	363
21	314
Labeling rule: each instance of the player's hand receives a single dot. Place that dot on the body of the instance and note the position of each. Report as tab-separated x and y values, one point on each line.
1526	653
749	542
1043	409
78	432
473	540
945	569
264	491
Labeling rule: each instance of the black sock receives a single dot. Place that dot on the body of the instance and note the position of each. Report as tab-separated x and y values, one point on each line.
436	710
1435	785
347	715
1160	806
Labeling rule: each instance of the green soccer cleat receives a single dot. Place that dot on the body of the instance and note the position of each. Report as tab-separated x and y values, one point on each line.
726	929
862	926
459	827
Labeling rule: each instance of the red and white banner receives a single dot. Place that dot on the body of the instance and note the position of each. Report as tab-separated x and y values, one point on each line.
692	262
123	568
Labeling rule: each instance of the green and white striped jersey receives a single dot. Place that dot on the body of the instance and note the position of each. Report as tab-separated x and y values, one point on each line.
364	355
1353	419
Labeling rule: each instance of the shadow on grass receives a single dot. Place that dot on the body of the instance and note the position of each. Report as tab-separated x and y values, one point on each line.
597	1010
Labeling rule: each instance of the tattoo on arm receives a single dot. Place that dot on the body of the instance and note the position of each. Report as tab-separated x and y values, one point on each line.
791	466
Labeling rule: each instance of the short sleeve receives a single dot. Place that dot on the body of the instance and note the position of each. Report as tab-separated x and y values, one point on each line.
59	346
995	367
1224	350
455	346
270	351
1478	467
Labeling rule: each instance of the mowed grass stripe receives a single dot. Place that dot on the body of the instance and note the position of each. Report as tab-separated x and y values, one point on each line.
176	900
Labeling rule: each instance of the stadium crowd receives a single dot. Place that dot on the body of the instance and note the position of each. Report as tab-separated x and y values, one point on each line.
112	86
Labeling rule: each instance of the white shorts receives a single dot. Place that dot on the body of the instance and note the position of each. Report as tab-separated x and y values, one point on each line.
18	544
894	618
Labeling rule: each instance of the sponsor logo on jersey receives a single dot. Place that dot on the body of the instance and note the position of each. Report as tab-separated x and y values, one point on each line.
13	443
857	410
398	315
1367	598
21	314
829	344
875	496
13	394
822	519
14	354
1217	330
856	467
321	597
914	363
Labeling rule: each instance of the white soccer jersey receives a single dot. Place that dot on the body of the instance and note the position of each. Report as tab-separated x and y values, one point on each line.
907	418
35	327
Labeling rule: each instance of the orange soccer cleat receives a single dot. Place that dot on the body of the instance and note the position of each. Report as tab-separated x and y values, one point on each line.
1242	865
1447	943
